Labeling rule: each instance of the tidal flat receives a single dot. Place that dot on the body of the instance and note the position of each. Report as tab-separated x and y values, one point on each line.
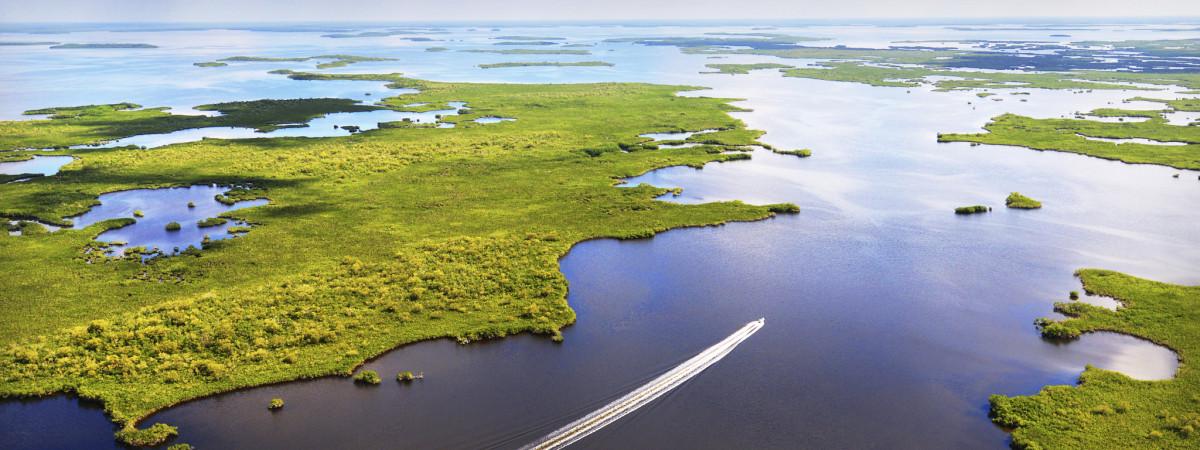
408	233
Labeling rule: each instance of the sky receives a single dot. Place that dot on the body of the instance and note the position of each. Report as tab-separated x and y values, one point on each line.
570	10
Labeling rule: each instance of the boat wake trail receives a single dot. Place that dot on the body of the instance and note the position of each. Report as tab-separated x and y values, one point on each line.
576	430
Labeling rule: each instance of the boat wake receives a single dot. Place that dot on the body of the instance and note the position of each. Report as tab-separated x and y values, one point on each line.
639	397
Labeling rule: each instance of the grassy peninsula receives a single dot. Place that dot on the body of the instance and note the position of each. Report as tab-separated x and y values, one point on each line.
337	60
546	63
95	124
1068	135
529	51
1108	409
400	244
68	46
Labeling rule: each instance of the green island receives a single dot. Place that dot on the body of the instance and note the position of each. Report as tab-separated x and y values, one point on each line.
96	124
1068	135
546	63
525	43
400	244
210	64
338	60
971	209
528	38
104	46
1109	409
744	68
436	49
911	67
1016	200
529	51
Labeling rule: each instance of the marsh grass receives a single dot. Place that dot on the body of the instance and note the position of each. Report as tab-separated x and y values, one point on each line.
1108	409
398	241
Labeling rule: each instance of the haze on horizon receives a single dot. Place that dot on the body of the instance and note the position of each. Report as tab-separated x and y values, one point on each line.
574	10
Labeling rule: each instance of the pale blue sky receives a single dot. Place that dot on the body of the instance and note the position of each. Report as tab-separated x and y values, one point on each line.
507	10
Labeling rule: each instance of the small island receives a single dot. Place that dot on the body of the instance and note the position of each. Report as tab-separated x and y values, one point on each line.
556	64
104	46
972	209
1016	200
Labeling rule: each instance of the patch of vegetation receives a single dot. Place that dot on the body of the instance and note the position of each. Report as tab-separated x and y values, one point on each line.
156	434
1108	409
338	60
436	49
104	46
528	38
745	68
433	255
276	403
535	64
529	51
96	124
343	60
761	42
404	376
1066	135
262	59
526	43
173	226
1016	200
367	377
210	64
971	209
803	153
211	222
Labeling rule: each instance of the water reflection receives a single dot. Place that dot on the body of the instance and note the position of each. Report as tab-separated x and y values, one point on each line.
41	165
158	207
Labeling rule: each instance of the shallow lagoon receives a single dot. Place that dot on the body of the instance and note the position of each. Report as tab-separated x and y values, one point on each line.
42	165
887	315
160	207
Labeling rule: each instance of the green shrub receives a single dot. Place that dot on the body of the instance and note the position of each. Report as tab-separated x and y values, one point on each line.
971	209
404	376
137	213
790	208
276	403
173	226
150	436
1074	295
1016	200
191	204
180	447
211	222
367	377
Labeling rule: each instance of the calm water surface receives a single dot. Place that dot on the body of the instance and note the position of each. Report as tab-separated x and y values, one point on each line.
888	316
160	207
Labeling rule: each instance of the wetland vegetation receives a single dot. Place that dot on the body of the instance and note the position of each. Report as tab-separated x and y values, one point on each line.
69	46
1071	135
529	51
430	255
337	60
1108	409
1016	200
546	63
96	124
